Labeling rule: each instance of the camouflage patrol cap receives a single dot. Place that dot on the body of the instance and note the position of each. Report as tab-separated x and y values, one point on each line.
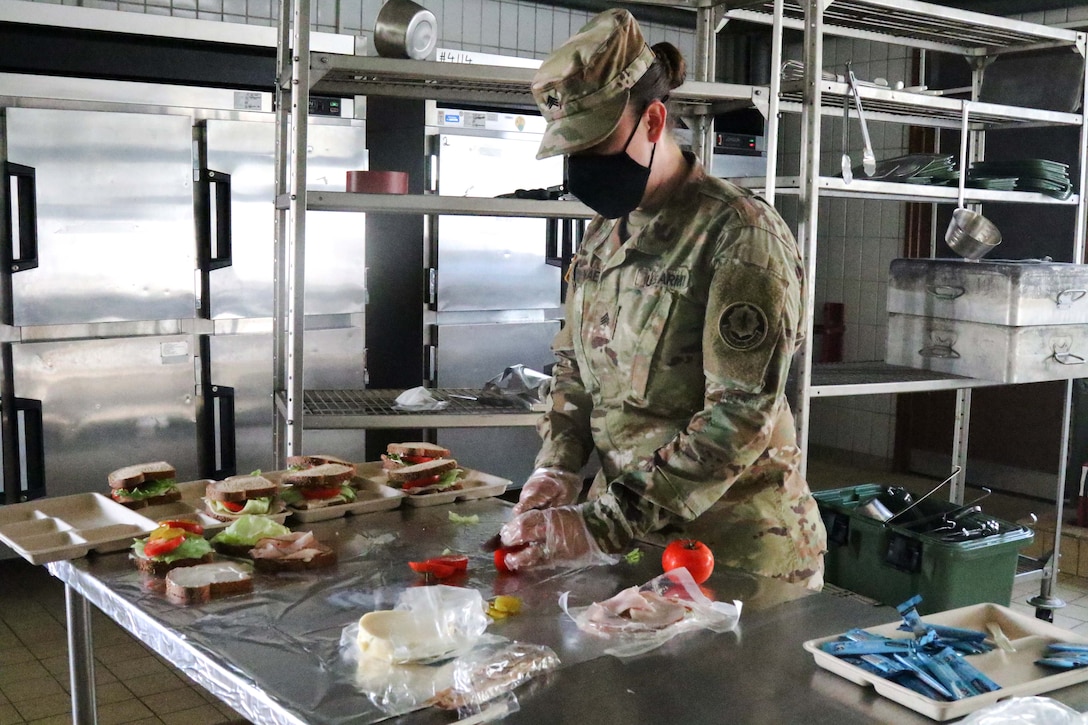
583	86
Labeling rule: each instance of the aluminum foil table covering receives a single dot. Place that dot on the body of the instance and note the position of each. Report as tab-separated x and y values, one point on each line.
273	655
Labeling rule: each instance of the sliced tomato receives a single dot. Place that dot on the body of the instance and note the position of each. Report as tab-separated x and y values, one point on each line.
500	557
232	506
441	567
158	547
418	459
191	526
420	482
319	493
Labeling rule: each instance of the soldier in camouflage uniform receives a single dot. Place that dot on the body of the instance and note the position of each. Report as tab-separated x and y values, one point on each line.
682	317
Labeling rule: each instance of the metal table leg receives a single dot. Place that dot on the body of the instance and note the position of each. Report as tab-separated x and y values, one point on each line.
80	657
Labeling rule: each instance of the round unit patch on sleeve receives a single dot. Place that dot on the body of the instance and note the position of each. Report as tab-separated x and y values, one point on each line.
743	326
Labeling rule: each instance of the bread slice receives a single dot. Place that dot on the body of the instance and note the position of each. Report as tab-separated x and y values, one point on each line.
418	448
324	476
201	583
296	551
315	460
419	470
160	568
132	476
237	489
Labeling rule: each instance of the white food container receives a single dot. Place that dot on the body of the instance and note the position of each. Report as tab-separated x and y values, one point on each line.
1000	353
998	292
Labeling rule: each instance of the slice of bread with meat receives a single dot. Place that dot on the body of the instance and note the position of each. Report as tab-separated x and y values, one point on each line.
295	551
398	455
144	484
239	495
441	474
204	582
328	484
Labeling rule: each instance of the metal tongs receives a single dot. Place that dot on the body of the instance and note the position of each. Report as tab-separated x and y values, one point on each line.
927	494
868	158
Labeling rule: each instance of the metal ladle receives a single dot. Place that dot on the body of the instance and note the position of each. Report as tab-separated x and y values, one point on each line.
868	158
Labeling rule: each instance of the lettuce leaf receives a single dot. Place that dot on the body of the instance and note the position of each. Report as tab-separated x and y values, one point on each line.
150	490
249	529
254	506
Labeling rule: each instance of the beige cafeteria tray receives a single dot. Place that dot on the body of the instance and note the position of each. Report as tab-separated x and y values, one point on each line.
1016	672
475	484
69	527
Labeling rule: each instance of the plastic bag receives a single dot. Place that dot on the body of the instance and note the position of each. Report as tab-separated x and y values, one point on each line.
1026	711
493	670
518	384
418	398
643	618
405	655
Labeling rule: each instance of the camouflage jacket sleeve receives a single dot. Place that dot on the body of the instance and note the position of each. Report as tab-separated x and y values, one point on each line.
564	427
750	332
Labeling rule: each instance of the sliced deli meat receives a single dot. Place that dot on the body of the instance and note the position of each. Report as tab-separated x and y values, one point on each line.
633	610
294	551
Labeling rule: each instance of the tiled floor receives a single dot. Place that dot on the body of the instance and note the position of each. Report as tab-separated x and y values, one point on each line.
134	685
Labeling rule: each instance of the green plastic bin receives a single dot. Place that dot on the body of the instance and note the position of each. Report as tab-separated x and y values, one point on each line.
891	563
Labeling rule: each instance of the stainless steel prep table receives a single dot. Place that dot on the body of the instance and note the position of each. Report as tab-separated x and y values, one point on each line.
274	655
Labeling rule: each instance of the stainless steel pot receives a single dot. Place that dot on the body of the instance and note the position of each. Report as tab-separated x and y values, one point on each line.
971	235
405	29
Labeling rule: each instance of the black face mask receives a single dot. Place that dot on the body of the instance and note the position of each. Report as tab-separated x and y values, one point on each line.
611	185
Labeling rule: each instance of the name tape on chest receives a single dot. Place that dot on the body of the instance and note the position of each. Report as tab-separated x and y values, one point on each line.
743	326
671	278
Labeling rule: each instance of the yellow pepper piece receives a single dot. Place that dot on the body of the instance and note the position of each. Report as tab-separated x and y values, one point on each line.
507	604
166	532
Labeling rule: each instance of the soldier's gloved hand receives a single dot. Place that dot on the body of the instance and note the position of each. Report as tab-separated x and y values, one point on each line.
550	538
548	487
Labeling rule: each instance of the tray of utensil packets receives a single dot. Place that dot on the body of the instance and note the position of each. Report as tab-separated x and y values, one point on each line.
948	664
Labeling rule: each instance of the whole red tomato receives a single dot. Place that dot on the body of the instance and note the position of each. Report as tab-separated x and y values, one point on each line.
695	556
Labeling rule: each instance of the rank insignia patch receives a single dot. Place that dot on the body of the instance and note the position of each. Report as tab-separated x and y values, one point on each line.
742	326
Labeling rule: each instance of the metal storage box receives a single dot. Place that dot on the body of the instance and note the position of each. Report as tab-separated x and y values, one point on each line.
1000	353
999	292
892	563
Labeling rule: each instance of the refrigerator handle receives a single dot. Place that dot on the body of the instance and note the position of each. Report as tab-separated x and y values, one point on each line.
217	447
222	430
23	217
213	226
32	450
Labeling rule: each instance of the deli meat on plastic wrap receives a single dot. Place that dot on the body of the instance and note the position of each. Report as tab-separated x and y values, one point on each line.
293	551
635	610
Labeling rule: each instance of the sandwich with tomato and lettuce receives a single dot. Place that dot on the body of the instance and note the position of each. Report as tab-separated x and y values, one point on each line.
326	484
441	474
174	543
241	495
144	484
400	455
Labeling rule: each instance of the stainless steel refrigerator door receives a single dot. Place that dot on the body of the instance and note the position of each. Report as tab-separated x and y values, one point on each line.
115	216
489	263
334	359
335	260
110	403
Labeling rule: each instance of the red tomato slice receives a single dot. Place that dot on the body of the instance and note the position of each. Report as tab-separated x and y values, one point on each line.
418	459
158	547
500	557
420	482
191	526
441	567
233	507
319	493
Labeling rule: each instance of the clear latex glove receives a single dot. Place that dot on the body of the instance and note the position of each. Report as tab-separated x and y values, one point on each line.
548	487
550	538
